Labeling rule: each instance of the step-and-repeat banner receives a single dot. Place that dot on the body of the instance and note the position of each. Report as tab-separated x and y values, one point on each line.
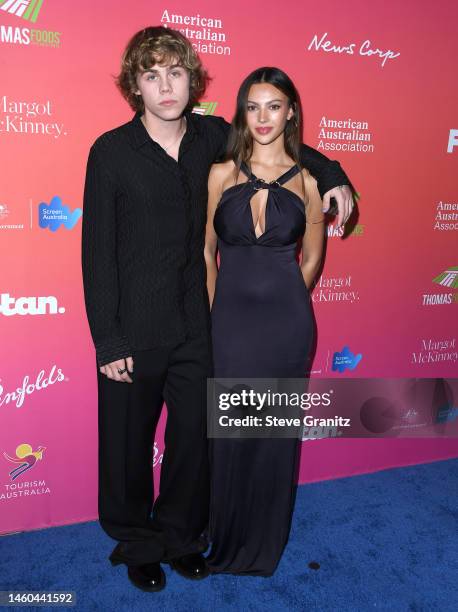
379	91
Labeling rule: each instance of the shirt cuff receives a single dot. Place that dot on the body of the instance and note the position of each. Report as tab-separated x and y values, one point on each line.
332	177
112	350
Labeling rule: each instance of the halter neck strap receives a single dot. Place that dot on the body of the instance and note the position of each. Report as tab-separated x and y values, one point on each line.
285	177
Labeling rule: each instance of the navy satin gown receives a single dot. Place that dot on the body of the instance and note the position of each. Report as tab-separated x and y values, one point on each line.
261	327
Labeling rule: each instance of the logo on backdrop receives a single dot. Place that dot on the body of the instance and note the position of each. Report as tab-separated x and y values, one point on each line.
4	214
452	140
18	396
345	360
10	306
20	117
447	414
205	33
335	289
25	459
157	456
26	10
337	232
446	218
55	214
447	279
435	351
205	108
344	135
365	49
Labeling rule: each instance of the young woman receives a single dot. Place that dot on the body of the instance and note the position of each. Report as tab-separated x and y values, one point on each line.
261	205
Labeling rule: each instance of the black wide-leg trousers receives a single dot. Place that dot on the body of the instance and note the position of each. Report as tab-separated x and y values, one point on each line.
128	415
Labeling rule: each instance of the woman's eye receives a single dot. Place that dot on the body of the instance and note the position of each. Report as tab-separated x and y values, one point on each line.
275	106
250	107
176	73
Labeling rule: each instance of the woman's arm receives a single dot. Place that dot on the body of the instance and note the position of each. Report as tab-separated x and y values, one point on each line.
312	243
215	183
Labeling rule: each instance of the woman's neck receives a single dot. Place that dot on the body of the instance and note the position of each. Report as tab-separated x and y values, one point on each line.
270	155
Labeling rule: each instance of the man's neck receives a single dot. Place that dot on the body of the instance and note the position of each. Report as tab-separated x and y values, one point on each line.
160	130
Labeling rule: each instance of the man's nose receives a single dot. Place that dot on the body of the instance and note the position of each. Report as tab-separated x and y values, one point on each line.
165	85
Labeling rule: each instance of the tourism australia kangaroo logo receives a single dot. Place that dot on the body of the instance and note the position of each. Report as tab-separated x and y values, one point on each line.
25	459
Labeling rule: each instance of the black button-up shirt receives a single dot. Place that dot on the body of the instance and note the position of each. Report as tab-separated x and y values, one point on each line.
143	234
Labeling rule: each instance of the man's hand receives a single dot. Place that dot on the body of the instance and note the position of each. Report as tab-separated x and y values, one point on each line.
344	198
112	369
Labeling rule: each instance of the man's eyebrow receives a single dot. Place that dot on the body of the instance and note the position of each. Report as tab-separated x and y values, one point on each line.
171	67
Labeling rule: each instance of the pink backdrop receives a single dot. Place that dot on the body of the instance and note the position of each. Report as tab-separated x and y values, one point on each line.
379	94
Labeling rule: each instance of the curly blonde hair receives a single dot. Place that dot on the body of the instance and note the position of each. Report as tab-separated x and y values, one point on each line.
159	45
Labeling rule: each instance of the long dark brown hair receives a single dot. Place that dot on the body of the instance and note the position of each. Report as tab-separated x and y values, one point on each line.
240	142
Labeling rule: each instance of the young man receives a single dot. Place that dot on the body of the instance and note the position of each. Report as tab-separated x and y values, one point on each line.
144	280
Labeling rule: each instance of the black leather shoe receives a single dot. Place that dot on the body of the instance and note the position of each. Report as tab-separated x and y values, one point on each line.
149	577
192	566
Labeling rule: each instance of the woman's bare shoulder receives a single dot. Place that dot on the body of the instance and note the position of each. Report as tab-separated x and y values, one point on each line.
309	181
220	172
306	174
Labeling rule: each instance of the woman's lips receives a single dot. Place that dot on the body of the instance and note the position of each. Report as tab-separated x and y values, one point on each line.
168	102
263	130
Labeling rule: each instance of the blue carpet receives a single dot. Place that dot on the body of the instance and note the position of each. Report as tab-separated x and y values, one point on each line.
383	541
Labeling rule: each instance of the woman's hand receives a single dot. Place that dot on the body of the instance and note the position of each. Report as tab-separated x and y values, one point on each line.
111	370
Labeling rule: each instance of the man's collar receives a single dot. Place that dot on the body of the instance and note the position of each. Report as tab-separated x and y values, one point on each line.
139	134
